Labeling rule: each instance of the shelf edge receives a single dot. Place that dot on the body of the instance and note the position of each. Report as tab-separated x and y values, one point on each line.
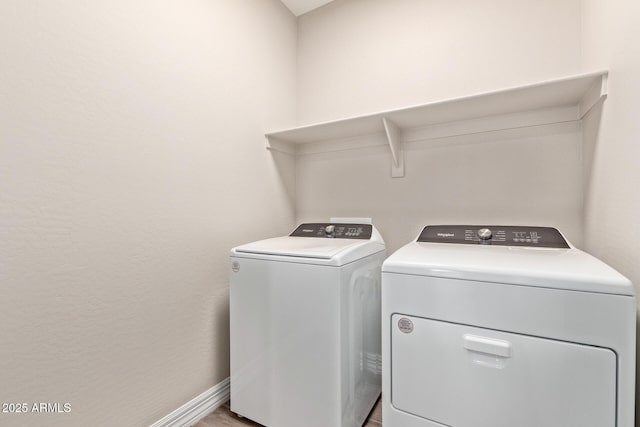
602	74
274	144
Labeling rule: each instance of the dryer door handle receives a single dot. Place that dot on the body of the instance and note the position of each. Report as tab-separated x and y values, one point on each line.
485	345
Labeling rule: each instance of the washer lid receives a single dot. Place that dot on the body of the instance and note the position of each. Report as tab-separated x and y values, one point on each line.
570	269
298	247
314	250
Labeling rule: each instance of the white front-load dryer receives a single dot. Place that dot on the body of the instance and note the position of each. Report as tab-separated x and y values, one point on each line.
305	326
503	326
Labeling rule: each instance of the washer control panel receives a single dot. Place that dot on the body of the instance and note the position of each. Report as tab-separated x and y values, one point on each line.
338	231
542	237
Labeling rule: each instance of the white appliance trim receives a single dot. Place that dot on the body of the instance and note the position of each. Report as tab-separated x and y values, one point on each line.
198	407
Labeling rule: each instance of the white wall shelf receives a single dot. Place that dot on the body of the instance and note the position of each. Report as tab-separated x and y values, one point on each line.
553	101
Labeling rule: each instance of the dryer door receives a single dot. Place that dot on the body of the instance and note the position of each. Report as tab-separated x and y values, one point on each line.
462	376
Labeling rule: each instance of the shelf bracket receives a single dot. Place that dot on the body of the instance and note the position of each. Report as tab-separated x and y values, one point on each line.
394	137
595	94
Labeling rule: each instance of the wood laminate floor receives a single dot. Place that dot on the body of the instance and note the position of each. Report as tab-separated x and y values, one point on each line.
223	417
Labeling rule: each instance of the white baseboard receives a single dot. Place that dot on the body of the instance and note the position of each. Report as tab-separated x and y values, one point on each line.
198	407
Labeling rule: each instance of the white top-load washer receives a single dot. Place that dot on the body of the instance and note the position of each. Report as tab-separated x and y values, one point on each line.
305	326
503	326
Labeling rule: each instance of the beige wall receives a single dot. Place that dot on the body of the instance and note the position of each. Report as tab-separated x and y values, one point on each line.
611	40
360	56
131	159
612	134
493	178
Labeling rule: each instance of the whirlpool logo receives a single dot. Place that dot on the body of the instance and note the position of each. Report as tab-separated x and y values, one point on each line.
446	235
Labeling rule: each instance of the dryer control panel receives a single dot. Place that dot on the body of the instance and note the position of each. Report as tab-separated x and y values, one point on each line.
337	231
542	237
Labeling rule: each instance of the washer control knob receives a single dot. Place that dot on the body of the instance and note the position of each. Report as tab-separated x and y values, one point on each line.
484	234
329	229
